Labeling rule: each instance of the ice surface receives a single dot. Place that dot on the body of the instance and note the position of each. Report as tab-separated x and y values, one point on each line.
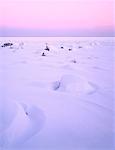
61	101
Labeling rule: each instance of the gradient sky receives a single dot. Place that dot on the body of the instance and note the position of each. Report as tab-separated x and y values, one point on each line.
57	15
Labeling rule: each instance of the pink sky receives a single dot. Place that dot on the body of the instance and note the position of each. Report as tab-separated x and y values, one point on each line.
56	14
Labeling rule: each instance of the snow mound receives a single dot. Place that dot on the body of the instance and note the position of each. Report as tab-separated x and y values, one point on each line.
73	84
27	122
8	111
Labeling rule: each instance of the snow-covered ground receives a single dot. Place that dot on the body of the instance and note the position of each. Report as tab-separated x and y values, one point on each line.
61	101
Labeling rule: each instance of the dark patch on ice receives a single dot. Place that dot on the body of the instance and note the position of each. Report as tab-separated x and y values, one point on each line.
56	85
70	49
43	54
62	47
80	47
7	44
74	61
26	113
47	47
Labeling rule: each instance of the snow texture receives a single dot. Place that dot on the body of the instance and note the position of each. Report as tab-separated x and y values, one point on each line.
64	100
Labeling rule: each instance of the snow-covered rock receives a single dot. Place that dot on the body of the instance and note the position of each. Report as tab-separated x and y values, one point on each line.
73	84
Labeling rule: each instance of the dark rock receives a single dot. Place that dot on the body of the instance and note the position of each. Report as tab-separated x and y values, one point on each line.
26	113
7	44
43	54
74	61
47	48
79	46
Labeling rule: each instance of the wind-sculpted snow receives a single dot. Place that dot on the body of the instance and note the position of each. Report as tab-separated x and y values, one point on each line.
26	121
7	116
60	100
74	84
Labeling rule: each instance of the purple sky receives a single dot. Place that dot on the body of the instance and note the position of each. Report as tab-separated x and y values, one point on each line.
56	16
